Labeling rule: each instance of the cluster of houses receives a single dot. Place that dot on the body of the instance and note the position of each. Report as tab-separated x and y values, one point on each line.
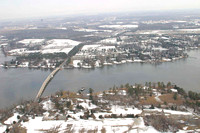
118	47
139	49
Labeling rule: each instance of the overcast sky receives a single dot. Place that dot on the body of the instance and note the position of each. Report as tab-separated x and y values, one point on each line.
36	8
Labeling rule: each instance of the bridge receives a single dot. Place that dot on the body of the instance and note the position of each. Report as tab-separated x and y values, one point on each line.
56	70
46	82
48	79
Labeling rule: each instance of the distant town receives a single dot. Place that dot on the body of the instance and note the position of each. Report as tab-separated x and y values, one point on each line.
104	41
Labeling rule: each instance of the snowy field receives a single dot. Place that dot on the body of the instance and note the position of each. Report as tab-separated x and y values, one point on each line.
64	50
31	41
55	43
59	46
86	30
106	48
97	47
177	31
119	26
91	30
109	125
52	46
90	47
109	41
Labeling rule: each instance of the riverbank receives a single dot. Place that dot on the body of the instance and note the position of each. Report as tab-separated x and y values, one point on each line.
23	82
77	63
156	108
74	63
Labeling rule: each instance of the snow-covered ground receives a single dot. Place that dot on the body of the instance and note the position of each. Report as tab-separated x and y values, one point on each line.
87	105
45	51
55	43
169	111
77	63
76	124
119	26
2	128
106	48
21	51
137	60
12	118
90	47
3	44
109	125
122	110
86	30
97	47
65	50
59	45
189	30
166	59
91	30
157	97
109	40
48	105
53	46
31	41
160	32
18	51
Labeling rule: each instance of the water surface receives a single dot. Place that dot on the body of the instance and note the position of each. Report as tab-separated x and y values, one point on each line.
24	83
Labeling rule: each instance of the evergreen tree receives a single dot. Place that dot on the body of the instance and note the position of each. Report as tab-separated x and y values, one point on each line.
175	96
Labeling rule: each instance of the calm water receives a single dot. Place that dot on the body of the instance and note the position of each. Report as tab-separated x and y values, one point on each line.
18	84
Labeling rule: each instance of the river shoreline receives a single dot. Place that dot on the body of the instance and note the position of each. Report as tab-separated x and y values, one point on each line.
90	67
23	83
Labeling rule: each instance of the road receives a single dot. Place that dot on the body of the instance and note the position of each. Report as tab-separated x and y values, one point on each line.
48	79
53	73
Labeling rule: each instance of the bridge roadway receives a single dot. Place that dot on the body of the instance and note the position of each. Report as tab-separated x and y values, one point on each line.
48	79
52	74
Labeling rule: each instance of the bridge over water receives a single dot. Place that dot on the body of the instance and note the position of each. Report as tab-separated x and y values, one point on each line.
56	70
46	82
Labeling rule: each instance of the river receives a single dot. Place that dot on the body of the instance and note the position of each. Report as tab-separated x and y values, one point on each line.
23	83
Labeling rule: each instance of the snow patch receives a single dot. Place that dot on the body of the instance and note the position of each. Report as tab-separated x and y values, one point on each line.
13	118
31	41
48	105
119	26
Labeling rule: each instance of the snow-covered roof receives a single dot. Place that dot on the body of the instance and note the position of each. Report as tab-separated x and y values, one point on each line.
174	90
